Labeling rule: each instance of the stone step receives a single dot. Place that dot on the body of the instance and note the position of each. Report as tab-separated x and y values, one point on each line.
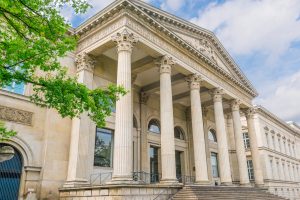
224	193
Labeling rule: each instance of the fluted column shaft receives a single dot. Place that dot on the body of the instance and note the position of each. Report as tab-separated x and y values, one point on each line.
123	138
167	121
198	132
258	174
223	156
79	152
239	142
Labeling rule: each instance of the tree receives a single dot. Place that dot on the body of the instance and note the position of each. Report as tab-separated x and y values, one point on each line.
33	36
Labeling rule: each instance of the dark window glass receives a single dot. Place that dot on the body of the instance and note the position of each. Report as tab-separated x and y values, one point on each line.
134	122
212	135
154	175
214	164
250	169
154	126
246	140
178	133
103	148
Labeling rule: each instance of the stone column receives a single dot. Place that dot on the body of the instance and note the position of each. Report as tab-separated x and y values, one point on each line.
78	166
198	132
258	174
145	165
223	157
123	137
167	122
239	142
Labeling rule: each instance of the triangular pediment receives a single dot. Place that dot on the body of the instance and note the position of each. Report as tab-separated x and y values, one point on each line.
197	40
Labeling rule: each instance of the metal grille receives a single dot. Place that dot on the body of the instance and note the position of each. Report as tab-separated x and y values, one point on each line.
10	174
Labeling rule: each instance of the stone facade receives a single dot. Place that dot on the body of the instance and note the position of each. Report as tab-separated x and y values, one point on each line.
180	78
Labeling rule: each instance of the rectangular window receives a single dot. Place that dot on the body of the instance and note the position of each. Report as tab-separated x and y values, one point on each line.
246	140
103	148
267	139
154	174
250	169
279	144
18	88
214	164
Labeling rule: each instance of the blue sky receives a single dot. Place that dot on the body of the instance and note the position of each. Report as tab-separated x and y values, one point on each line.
263	36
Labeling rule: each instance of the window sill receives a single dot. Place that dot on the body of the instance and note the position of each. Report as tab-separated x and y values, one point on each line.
14	95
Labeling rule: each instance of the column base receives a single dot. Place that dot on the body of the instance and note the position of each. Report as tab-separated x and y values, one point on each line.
120	180
204	183
245	184
261	185
76	183
169	182
226	183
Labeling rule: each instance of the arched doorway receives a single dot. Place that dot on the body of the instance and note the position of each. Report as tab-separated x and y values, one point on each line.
10	176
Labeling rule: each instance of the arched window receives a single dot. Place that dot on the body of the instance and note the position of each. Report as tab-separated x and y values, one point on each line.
154	126
178	133
212	135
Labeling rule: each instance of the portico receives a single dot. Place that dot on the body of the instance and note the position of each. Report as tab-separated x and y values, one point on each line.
147	72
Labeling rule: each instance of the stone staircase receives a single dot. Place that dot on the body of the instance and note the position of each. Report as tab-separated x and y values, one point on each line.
223	193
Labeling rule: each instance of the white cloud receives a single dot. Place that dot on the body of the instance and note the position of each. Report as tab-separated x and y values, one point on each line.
249	26
172	5
283	98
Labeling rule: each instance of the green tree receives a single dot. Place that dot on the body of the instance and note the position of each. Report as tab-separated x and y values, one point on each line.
33	36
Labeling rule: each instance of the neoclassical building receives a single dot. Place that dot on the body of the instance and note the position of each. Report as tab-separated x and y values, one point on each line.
188	118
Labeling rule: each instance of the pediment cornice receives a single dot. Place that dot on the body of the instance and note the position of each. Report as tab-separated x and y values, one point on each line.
143	13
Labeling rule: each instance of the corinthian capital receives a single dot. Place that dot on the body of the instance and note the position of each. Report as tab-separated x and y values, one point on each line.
250	112
85	62
235	104
194	81
217	94
165	64
125	40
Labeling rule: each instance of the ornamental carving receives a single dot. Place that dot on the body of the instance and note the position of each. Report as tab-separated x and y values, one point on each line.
165	64
15	115
194	81
250	112
235	104
85	62
217	94
125	40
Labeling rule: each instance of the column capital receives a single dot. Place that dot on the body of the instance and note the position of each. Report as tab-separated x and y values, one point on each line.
144	97
125	40
194	81
85	62
165	64
217	94
250	112
235	104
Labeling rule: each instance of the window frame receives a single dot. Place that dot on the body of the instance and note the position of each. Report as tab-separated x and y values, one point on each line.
179	130
98	130
212	135
154	122
246	140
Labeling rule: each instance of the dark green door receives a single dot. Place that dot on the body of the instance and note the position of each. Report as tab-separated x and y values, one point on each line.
154	175
178	165
10	175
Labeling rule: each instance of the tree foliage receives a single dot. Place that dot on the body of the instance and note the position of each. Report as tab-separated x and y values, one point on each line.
33	36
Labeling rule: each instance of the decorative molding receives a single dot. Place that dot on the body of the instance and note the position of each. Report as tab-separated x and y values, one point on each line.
144	97
125	40
217	94
235	104
85	62
16	115
194	81
165	64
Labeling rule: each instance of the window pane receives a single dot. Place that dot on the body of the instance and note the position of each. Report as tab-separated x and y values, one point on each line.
16	88
103	148
178	133
154	126
212	135
214	164
250	169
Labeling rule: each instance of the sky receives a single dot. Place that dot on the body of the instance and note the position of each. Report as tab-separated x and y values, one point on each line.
263	37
